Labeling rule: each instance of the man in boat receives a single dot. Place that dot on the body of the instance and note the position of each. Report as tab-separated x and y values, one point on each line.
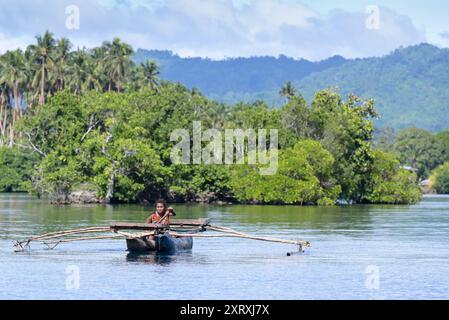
162	213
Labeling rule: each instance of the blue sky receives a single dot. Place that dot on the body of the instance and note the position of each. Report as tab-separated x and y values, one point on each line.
228	28
431	15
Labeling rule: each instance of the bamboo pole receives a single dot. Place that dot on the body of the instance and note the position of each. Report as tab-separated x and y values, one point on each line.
243	236
224	229
118	235
68	233
84	239
25	243
62	233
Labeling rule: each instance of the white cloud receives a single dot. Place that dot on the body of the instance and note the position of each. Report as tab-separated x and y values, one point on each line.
9	43
213	28
444	35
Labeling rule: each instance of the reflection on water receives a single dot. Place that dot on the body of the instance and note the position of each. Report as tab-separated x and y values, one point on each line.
409	245
159	258
150	258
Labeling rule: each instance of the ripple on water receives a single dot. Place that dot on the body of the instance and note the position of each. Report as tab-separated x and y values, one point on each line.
407	245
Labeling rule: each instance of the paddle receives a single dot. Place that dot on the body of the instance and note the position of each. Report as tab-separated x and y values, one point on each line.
170	212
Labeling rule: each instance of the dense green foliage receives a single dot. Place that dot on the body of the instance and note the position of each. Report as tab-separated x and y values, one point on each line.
104	124
440	179
392	184
119	143
16	169
304	177
409	85
418	150
442	139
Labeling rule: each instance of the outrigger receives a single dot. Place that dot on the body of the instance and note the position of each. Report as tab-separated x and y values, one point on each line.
150	237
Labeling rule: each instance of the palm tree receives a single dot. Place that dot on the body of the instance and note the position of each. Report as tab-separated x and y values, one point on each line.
3	109
50	66
145	75
31	88
150	71
76	71
59	64
83	73
14	74
117	62
98	58
288	90
43	52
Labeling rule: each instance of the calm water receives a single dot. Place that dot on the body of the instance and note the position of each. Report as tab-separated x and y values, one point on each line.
360	252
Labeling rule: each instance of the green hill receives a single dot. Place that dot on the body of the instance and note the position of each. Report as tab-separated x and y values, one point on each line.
410	85
235	78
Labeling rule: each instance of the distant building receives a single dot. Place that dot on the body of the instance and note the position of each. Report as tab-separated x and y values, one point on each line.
425	183
426	187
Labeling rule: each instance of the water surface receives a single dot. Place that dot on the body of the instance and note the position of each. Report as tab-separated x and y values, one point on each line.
359	252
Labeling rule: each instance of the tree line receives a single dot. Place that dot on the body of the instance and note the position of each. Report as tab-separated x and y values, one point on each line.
28	78
104	124
422	151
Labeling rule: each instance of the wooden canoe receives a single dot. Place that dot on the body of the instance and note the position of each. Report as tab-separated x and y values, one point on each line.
161	243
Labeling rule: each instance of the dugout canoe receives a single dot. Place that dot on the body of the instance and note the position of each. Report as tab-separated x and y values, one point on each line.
163	243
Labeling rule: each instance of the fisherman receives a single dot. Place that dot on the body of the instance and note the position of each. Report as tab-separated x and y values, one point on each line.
162	214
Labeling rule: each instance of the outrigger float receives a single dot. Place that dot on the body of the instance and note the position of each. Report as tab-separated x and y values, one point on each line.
153	237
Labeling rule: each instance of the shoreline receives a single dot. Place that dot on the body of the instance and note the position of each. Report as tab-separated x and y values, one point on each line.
98	201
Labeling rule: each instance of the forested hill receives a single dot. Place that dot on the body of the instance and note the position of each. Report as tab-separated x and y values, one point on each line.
237	78
410	85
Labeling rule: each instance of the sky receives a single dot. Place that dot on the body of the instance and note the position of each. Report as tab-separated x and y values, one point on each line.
310	29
